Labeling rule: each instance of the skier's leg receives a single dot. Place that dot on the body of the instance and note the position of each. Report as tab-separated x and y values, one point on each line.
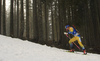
72	40
80	43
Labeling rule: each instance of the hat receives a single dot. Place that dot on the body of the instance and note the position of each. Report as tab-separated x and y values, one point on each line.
66	26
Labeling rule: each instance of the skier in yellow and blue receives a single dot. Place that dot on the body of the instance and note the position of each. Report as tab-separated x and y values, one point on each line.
72	30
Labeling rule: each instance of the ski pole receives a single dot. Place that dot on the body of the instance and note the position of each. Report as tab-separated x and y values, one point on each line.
77	46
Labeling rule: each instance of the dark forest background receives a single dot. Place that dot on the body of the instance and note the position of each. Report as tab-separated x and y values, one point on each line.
43	21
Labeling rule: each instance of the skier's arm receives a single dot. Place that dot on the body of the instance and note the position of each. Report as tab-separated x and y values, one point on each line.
69	32
67	35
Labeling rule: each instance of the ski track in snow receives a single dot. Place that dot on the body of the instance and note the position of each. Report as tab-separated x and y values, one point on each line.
13	49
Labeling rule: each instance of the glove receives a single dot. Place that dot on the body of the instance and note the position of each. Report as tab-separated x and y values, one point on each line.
65	33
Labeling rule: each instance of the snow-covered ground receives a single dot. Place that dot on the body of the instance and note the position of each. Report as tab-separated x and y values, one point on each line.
12	49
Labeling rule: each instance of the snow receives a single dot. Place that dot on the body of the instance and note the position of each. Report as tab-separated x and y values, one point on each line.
13	49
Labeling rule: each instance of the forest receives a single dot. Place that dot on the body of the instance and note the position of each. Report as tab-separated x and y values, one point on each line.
43	21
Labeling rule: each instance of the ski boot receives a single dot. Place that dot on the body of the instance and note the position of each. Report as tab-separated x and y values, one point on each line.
72	50
84	51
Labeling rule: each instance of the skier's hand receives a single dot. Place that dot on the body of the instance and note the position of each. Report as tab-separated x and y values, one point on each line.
65	33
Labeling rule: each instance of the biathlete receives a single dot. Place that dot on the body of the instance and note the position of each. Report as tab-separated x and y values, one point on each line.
76	37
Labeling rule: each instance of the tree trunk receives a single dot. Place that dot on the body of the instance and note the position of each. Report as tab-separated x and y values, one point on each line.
27	19
0	14
31	32
35	21
4	18
17	18
11	19
22	20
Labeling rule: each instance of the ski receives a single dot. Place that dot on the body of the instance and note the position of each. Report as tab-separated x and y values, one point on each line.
76	52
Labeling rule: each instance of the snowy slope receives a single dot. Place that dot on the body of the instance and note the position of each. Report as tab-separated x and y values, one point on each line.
12	49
